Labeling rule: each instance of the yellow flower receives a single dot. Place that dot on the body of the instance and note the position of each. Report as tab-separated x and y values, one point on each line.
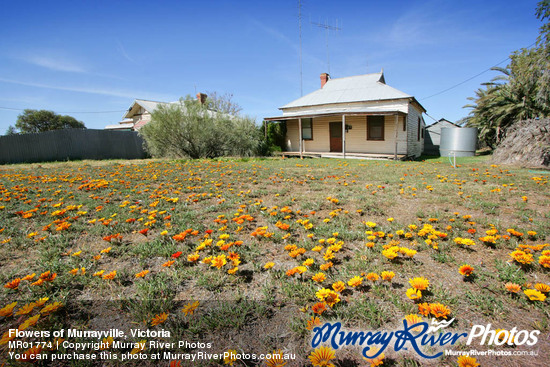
414	294
140	347
439	310
466	361
275	359
419	283
541	287
413	319
110	275
373	277
355	281
269	265
534	295
322	356
31	321
26	309
379	360
142	274
231	357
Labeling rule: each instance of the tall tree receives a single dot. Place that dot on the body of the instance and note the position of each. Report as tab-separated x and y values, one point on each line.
36	121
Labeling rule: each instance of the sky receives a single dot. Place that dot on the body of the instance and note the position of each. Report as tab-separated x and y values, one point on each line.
92	59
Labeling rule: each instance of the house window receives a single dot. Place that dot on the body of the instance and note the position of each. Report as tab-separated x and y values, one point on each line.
307	129
375	127
418	130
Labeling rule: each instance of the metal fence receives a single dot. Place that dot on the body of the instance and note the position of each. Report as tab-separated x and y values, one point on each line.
71	144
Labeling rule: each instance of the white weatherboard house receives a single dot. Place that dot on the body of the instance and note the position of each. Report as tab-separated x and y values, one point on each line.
357	116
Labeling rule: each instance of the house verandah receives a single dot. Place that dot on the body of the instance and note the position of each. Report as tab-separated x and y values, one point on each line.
346	135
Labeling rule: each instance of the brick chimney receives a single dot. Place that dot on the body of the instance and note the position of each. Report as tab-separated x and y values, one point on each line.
324	79
201	97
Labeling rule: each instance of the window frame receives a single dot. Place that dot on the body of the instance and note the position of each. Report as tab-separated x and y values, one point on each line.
379	118
310	128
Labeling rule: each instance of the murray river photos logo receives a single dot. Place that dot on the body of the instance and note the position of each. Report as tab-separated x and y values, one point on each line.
417	336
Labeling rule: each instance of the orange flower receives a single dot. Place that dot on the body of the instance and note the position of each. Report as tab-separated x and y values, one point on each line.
190	308
110	275
142	274
30	355
322	356
387	275
541	287
159	319
339	286
14	284
169	263
319	277
424	309
413	319
319	308
439	310
276	359
512	287
466	270
8	309
313	322
373	277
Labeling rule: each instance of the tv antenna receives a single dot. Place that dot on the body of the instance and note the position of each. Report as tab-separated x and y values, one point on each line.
300	54
327	28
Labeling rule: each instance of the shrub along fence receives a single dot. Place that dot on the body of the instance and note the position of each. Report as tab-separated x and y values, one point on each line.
71	144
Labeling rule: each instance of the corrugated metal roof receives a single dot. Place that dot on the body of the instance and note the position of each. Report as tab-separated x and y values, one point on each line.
149	106
360	88
120	126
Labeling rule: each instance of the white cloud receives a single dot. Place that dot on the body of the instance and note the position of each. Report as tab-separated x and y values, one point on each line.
132	94
55	63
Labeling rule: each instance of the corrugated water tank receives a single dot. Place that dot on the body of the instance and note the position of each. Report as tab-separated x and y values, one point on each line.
458	142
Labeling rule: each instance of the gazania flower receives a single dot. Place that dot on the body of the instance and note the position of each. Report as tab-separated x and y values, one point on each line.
419	283
140	347
31	321
308	262
373	277
413	319
52	307
319	277
379	360
169	263
14	284
175	255
231	357
544	260
194	257
355	281
313	322
189	308
159	319
541	287
275	359
466	270
534	295
512	287
110	275
8	309
319	308
414	294
339	286
142	274
387	275
439	310
269	265
466	361
322	356
26	309
219	261
326	266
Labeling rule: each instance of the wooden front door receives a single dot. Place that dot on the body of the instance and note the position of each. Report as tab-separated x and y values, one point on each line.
336	137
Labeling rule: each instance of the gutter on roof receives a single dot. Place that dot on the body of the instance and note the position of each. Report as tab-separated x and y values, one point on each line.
284	118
